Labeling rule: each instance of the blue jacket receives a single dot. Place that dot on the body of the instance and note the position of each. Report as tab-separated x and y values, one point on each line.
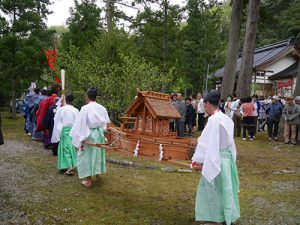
258	107
274	111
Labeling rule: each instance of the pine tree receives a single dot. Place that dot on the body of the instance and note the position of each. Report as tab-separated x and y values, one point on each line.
84	25
202	43
157	34
23	40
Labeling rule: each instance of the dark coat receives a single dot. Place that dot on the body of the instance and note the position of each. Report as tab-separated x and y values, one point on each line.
190	114
48	121
274	111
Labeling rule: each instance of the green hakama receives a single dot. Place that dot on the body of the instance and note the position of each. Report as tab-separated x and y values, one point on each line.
91	160
218	201
66	151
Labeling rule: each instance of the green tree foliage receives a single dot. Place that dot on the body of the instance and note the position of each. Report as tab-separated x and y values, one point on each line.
23	40
291	19
84	24
202	42
111	66
279	20
157	34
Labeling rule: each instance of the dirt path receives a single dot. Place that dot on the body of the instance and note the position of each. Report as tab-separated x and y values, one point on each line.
10	178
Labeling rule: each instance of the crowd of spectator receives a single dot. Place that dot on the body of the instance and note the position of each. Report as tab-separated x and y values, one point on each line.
250	115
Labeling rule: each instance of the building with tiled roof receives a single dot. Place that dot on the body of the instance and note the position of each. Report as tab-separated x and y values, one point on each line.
274	68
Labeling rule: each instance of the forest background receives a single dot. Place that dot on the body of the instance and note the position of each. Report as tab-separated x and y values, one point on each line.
168	48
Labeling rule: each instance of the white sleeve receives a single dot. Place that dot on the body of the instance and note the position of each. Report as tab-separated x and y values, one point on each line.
212	161
202	145
57	127
80	131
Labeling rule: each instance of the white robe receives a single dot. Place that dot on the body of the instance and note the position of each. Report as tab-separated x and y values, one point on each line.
90	116
65	116
217	135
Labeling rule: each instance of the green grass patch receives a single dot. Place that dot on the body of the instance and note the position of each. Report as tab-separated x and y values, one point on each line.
138	196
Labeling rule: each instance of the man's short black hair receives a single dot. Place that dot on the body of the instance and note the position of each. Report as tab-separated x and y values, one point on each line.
69	97
213	97
54	89
92	93
37	90
44	92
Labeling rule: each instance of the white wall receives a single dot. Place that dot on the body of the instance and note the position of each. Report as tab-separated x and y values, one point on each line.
276	67
282	64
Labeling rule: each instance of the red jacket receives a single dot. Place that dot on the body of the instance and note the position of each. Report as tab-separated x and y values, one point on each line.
41	112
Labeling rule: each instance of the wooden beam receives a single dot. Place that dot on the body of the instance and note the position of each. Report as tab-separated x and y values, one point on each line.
128	118
154	121
178	163
144	118
137	123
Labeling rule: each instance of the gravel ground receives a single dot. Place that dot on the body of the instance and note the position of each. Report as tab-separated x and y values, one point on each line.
10	176
12	179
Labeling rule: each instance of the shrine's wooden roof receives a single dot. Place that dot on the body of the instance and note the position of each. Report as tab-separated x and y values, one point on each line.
157	103
267	55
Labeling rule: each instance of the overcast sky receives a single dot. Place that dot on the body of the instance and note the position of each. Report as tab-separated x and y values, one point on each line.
60	10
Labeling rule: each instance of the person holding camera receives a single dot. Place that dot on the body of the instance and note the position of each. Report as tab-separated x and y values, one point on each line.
290	113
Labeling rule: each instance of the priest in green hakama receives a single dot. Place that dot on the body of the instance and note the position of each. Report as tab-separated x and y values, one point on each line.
89	128
64	119
217	194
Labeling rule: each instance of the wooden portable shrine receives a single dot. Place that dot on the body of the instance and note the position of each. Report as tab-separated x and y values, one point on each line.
145	129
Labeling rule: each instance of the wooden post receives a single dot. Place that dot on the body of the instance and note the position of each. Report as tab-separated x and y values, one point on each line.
137	123
63	102
154	122
144	118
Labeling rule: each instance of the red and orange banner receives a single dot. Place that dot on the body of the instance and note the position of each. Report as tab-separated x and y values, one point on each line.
288	83
51	56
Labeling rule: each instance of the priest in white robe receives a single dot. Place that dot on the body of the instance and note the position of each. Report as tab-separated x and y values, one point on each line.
89	127
217	194
64	119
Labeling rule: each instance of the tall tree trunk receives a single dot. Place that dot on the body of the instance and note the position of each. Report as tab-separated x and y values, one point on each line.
165	42
246	72
297	88
12	70
13	97
233	45
109	15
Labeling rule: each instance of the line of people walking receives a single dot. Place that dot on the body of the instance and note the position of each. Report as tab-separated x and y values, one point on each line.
69	132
